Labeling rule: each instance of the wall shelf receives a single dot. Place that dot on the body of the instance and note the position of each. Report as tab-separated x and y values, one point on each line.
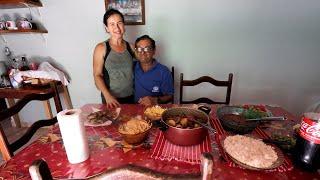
10	4
24	31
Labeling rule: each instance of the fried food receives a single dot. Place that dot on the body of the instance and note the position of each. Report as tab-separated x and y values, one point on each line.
250	151
154	112
100	117
134	126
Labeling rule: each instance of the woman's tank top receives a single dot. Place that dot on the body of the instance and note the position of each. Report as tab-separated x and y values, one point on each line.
118	71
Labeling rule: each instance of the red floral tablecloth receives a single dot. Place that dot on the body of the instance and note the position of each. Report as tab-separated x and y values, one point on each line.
108	151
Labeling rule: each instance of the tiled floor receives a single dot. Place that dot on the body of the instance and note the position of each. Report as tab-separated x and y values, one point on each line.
13	133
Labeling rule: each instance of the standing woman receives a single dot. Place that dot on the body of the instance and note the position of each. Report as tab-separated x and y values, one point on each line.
113	62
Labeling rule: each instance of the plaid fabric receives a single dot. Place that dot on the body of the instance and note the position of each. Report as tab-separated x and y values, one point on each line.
164	150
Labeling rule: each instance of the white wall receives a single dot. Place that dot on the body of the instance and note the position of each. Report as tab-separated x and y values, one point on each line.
272	47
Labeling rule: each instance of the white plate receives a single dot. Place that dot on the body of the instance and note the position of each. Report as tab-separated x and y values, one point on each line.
274	165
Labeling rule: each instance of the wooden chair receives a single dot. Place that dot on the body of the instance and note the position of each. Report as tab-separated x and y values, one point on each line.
40	170
208	79
172	73
8	149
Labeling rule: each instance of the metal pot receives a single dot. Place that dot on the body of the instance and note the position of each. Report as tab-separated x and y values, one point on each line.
179	136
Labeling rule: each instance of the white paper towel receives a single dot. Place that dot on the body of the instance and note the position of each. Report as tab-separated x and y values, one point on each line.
73	135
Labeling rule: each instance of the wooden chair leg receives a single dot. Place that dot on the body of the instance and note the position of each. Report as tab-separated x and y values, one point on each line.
6	155
15	117
47	109
56	98
66	97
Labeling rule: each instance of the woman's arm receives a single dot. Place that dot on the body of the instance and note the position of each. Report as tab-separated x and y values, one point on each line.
98	65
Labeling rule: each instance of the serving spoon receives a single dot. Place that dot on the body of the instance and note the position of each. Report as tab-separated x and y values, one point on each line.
271	118
204	125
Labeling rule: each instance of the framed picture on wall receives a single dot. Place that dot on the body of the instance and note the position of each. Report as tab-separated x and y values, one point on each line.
133	10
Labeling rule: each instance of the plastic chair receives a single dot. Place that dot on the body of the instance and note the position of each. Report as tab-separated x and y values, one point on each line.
8	149
208	79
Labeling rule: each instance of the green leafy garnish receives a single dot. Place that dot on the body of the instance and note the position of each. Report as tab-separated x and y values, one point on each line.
253	113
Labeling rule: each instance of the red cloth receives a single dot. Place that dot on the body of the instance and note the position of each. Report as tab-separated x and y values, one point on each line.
164	150
286	166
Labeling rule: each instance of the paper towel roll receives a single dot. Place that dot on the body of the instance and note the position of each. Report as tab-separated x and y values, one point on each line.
73	135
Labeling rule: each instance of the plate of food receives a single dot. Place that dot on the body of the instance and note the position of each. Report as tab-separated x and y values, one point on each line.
101	117
252	153
234	118
255	111
154	112
134	131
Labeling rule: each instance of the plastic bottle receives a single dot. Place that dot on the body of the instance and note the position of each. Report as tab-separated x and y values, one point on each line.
307	149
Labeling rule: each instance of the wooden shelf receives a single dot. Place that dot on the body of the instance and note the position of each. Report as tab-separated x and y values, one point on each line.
24	31
9	4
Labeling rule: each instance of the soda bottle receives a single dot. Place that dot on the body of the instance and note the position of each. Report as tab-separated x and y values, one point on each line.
307	149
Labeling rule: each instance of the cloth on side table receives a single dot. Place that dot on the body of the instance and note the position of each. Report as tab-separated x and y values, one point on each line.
45	71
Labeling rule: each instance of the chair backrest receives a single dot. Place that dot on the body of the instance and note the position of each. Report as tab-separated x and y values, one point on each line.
208	79
40	170
8	149
172	74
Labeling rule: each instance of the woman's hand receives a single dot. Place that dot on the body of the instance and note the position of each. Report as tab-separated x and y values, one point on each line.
148	101
111	102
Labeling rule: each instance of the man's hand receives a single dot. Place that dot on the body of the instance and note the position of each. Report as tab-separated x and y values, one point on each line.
148	101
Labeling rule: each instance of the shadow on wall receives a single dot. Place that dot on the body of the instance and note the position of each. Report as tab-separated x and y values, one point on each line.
6	17
132	33
53	62
314	107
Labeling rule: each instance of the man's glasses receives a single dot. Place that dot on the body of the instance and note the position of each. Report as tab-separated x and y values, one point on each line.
145	49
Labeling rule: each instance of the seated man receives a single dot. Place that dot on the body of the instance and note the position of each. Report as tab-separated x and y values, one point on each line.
153	81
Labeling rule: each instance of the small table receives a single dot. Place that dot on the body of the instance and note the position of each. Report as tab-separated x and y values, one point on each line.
17	93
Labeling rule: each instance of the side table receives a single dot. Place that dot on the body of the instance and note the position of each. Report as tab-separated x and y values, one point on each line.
11	93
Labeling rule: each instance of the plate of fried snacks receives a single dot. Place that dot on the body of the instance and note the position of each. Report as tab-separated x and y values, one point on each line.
252	153
102	117
135	130
154	112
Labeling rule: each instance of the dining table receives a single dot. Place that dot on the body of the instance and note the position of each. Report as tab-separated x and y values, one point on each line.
109	151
